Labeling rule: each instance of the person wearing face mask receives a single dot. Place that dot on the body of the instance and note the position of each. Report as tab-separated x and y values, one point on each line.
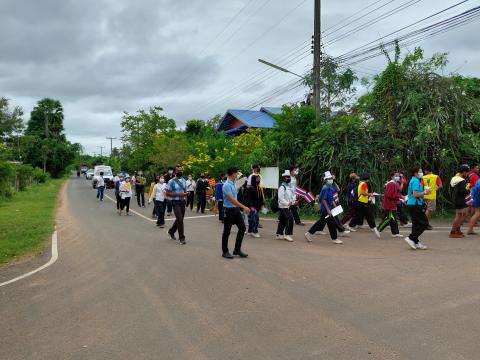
125	195
327	203
177	191
158	197
364	206
219	196
150	191
202	187
458	186
286	198
294	172
255	201
415	202
169	176
191	186
391	197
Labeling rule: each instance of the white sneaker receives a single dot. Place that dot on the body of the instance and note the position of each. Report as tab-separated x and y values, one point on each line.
288	238
321	233
377	233
337	241
279	237
256	235
397	236
249	234
350	228
420	246
410	243
344	233
407	225
308	236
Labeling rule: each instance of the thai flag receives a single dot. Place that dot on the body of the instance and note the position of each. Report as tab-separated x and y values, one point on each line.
308	196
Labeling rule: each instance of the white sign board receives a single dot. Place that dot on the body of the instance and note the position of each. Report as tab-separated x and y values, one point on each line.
270	177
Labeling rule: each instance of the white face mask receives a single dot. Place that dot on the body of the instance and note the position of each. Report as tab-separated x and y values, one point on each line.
162	180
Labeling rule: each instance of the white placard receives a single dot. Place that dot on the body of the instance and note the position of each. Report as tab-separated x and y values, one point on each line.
270	177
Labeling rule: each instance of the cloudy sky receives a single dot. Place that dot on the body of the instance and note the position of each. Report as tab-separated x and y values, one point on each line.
194	58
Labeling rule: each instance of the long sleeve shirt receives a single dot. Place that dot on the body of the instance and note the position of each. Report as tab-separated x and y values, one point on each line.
392	196
285	196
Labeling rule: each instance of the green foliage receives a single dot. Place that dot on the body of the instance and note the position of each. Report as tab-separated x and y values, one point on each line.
11	122
46	120
194	127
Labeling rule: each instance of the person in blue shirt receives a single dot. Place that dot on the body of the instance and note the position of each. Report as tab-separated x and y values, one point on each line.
177	192
475	204
415	203
232	215
219	196
327	203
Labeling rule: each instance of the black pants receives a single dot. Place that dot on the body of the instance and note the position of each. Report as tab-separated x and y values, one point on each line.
402	213
389	218
119	199
338	224
190	199
296	216
332	227
169	206
179	211
221	215
285	225
125	203
140	191
419	221
160	210
350	214
364	211
233	216
202	201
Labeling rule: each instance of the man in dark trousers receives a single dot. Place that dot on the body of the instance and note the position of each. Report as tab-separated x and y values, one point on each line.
140	189
233	216
170	175
177	192
202	187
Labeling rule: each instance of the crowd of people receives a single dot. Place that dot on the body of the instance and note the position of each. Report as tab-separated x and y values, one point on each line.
238	200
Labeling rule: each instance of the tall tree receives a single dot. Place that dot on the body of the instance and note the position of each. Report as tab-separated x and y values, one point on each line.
11	122
46	120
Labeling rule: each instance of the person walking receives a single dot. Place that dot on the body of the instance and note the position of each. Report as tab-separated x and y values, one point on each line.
158	196
327	204
125	195
286	198
391	197
233	215
100	186
117	181
364	205
433	182
177	192
140	189
219	196
458	186
202	187
169	176
191	186
415	202
150	191
294	172
475	204
350	191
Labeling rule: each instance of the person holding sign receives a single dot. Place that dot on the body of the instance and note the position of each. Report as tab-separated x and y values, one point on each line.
327	204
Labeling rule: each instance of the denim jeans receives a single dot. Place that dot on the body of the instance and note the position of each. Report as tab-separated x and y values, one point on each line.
160	210
253	222
100	191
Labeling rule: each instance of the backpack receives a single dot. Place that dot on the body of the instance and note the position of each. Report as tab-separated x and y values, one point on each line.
274	202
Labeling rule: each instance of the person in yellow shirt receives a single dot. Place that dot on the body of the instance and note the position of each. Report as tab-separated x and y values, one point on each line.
434	183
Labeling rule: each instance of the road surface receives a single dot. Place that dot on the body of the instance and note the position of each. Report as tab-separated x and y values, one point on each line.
122	290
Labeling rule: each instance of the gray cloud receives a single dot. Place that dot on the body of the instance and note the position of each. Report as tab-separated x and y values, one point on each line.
101	57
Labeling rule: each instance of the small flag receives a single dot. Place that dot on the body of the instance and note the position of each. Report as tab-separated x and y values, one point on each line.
308	196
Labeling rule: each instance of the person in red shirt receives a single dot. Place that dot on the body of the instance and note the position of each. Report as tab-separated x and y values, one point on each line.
391	198
473	177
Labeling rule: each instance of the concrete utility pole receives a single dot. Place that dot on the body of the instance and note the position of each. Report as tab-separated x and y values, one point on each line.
317	55
111	144
101	151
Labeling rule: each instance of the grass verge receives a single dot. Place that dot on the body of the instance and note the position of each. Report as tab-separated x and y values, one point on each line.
27	220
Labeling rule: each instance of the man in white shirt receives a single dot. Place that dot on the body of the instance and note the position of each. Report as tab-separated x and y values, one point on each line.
100	186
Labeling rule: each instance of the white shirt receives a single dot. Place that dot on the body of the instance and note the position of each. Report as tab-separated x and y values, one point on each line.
159	192
126	188
191	185
100	181
285	196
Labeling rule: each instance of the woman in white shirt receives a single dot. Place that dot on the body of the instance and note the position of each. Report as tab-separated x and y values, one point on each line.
159	196
191	186
125	195
286	199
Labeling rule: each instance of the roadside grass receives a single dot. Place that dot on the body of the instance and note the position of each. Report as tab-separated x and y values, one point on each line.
27	220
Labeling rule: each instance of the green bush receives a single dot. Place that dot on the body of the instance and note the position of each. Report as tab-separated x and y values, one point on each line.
24	176
39	176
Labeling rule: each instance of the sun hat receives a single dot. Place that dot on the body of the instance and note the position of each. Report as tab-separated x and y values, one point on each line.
328	175
286	173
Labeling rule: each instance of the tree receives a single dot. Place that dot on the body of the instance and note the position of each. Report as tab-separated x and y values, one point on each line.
194	127
46	120
10	120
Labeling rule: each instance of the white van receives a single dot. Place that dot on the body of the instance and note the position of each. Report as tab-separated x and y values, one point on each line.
107	176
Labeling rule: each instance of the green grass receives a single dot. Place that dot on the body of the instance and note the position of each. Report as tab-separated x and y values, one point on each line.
27	220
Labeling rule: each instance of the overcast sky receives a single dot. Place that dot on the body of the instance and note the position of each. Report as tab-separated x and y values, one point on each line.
194	58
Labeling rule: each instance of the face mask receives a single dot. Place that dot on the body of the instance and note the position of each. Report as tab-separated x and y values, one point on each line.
396	178
330	182
162	180
420	175
170	172
179	174
288	181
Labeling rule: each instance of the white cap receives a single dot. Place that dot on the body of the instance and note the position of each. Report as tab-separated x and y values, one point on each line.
286	173
328	175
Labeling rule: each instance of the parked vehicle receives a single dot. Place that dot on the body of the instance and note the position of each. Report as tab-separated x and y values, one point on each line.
89	174
107	176
83	169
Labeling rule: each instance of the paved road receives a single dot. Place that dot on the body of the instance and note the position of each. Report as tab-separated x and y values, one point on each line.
122	290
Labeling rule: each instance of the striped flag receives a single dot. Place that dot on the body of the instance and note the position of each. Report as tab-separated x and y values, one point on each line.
308	196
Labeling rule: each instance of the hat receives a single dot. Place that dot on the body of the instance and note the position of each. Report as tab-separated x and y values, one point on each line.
286	173
464	167
328	175
365	176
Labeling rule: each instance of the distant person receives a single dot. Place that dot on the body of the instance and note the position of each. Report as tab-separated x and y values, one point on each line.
100	186
286	198
158	196
350	198
475	194
117	182
169	176
140	182
255	200
150	191
391	197
242	195
78	173
211	192
433	182
233	215
415	203
402	211
458	186
191	186
219	196
202	188
177	191
294	172
125	195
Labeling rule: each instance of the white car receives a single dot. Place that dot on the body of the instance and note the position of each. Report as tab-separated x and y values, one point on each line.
89	174
107	176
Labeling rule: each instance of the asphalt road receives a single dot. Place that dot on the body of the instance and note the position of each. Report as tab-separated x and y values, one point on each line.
122	290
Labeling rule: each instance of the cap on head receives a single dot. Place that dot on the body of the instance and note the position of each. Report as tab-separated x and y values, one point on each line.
464	167
286	173
365	176
328	175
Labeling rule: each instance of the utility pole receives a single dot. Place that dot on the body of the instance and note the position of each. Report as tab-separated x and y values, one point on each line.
317	55
111	144
101	151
